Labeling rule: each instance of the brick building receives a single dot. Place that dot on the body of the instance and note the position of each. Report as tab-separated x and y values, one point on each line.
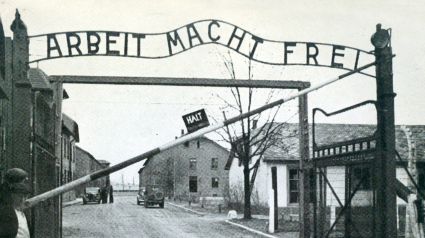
194	170
70	136
86	164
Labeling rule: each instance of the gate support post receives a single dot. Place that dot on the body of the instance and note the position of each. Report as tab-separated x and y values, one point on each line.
304	175
386	222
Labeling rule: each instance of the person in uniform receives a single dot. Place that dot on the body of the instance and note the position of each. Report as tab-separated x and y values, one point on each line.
104	195
13	193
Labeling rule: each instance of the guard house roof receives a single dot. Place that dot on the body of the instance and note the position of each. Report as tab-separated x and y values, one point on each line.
327	134
70	126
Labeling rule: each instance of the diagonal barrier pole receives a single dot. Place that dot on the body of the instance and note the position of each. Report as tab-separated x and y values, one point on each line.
91	177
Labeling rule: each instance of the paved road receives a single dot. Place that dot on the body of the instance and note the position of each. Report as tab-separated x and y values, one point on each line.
125	218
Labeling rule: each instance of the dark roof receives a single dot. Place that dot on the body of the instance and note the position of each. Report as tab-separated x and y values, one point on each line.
104	162
38	79
71	126
327	134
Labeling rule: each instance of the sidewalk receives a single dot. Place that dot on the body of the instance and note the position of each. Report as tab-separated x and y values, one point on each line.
73	202
258	224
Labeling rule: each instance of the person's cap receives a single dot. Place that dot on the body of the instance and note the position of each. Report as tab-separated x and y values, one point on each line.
15	175
20	188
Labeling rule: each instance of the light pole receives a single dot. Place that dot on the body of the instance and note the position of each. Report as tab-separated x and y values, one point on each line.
385	169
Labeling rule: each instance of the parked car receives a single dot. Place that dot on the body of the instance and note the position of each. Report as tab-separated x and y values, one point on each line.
91	194
153	194
141	196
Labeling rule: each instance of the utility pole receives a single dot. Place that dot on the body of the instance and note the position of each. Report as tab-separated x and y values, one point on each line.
385	170
174	178
122	179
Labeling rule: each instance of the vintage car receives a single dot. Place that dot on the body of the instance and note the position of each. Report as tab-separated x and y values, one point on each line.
91	194
141	196
152	195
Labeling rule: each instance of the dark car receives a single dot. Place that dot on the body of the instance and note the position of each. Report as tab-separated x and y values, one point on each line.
91	194
153	194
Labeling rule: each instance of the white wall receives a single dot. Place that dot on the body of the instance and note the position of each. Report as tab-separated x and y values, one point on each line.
262	182
401	175
336	177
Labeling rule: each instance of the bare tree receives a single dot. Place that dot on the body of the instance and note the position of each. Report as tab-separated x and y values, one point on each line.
247	139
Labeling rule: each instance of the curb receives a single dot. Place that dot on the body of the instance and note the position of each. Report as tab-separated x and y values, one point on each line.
250	229
71	203
187	209
235	224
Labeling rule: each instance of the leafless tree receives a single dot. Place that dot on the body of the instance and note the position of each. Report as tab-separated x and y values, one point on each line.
247	139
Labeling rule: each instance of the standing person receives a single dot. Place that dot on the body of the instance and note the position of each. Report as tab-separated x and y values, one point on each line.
111	194
104	195
13	193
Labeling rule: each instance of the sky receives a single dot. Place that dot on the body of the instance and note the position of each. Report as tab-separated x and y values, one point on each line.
118	122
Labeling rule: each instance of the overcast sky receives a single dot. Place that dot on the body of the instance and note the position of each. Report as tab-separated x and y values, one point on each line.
119	122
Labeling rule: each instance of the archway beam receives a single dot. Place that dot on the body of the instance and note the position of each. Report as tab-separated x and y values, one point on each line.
164	81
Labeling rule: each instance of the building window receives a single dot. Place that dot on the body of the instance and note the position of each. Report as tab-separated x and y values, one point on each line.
215	182
198	143
214	163
192	164
186	144
193	184
293	186
361	175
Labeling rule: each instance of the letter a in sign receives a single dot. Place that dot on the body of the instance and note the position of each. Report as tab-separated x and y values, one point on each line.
196	120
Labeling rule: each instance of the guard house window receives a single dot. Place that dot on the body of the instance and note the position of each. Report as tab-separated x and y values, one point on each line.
214	182
359	173
214	163
193	184
192	164
293	186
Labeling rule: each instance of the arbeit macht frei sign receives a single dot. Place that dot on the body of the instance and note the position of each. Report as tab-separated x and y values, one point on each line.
162	45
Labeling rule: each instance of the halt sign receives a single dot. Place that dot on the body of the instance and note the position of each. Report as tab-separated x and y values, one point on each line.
196	120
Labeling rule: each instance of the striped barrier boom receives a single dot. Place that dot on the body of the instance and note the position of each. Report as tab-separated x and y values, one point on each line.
101	173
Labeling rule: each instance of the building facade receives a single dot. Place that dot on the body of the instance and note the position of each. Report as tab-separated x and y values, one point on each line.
86	164
70	136
410	143
29	130
191	171
34	134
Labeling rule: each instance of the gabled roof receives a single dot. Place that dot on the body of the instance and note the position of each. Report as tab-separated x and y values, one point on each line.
88	154
38	79
71	126
199	138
